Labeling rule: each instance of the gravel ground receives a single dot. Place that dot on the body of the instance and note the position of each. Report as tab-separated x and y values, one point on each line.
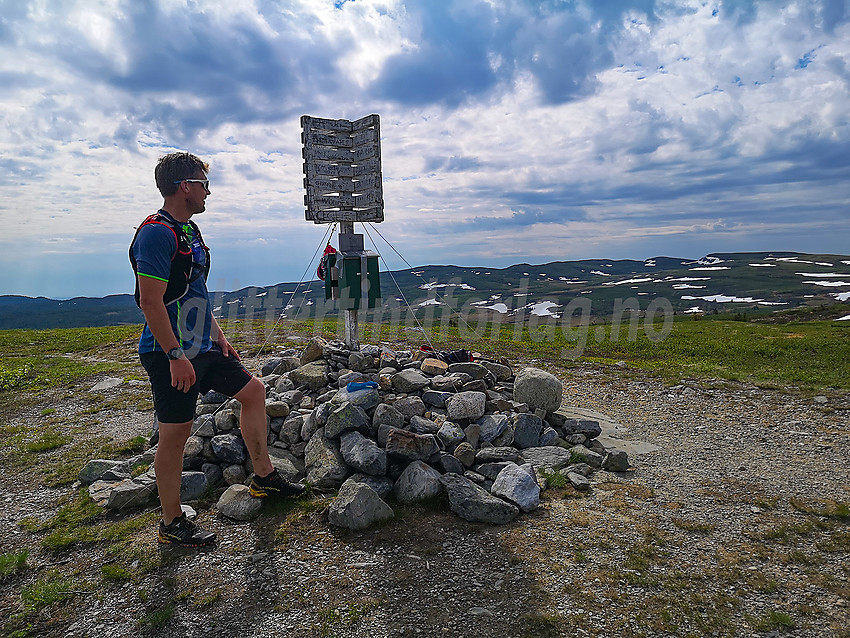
730	527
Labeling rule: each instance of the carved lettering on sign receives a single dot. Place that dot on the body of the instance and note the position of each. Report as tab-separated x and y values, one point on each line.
342	169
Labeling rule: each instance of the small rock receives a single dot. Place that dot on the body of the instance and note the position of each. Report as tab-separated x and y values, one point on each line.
434	367
517	486
193	485
418	482
466	405
465	453
358	506
473	503
616	461
238	504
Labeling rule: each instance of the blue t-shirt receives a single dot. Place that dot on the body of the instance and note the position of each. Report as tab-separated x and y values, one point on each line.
191	315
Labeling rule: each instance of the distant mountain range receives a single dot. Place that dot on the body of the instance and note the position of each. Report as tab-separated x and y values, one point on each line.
718	282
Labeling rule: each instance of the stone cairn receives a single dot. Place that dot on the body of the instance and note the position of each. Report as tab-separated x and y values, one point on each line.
487	438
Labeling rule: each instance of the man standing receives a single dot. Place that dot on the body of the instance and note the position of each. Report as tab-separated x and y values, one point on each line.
183	348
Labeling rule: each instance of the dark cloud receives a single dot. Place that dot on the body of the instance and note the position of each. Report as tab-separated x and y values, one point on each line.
469	48
451	61
184	71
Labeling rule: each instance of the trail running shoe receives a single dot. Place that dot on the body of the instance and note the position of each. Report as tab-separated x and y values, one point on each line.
184	533
273	485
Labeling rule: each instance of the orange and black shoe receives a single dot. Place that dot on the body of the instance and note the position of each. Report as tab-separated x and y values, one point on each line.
184	533
273	485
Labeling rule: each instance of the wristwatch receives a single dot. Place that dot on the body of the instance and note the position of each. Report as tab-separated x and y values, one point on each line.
175	353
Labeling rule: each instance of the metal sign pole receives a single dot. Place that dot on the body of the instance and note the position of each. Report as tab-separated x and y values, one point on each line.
352	339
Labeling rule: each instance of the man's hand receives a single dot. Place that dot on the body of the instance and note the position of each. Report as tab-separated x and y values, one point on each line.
182	374
226	348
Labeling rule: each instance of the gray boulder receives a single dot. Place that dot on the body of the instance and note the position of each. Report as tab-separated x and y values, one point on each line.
410	446
497	454
214	473
466	405
492	470
581	453
269	365
314	375
421	425
547	457
465	453
277	409
204	426
238	504
310	425
286	364
579	482
128	493
616	461
367	398
548	436
410	380
226	420
282	461
492	425
451	435
517	486
474	370
345	418
290	431
539	389
283	384
363	454
193	485
590	429
230	448
527	429
418	482
358	506
436	398
473	503
386	414
234	474
410	407
325	466
450	463
312	351
96	468
383	485
500	371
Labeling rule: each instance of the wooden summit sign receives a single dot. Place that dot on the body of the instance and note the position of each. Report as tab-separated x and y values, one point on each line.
342	168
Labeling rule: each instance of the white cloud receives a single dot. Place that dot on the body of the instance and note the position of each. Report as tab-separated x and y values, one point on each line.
682	131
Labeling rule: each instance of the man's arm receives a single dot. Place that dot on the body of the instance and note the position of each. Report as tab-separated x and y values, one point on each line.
219	338
150	299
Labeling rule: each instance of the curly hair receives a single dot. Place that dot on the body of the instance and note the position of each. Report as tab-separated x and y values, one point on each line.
174	167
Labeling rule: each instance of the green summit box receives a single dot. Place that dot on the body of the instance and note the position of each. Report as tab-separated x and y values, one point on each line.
352	278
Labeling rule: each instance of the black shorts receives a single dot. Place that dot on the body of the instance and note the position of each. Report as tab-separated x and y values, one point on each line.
213	371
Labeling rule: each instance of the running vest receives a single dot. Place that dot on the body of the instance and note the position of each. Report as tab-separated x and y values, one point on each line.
181	261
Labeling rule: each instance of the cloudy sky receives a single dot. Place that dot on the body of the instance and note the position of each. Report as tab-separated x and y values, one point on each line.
512	130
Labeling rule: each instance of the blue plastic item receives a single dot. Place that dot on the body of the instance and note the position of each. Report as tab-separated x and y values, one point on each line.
354	386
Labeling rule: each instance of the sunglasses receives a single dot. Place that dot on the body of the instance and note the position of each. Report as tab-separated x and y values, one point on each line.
205	182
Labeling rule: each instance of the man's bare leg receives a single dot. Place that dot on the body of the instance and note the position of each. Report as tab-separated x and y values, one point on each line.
168	465
254	426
